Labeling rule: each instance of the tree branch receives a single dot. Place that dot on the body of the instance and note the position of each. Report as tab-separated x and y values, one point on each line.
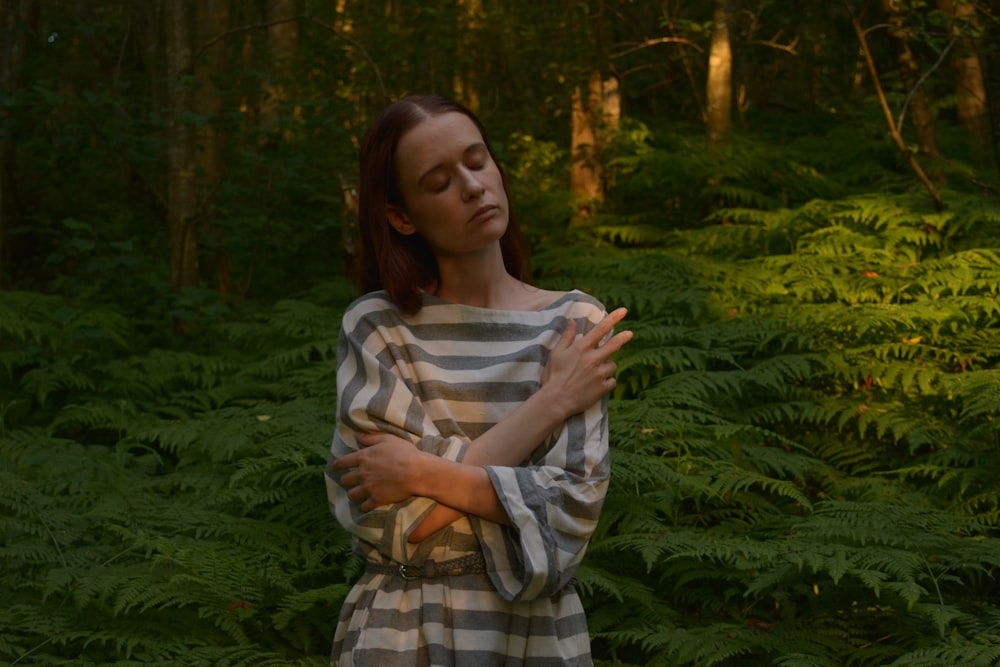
267	24
659	40
893	128
775	44
920	81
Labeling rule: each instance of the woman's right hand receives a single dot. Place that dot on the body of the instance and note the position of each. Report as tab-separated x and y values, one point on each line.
579	371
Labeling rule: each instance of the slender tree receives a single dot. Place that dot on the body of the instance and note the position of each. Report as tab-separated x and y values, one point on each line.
586	173
719	89
283	44
918	98
212	20
891	122
182	197
470	18
596	116
17	21
967	72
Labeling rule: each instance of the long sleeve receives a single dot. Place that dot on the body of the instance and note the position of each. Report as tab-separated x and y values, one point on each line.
554	506
441	379
374	393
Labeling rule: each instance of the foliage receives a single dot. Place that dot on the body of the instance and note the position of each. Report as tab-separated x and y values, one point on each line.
804	435
805	438
167	506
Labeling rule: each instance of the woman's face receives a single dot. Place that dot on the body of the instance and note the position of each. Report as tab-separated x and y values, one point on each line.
452	191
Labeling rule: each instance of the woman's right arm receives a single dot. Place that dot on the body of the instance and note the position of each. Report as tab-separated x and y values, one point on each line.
373	397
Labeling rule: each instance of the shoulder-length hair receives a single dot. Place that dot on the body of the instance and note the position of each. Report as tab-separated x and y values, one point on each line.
403	264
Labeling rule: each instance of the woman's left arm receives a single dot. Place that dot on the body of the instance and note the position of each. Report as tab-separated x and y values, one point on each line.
553	505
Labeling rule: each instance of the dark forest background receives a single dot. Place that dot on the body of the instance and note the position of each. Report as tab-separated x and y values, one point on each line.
798	202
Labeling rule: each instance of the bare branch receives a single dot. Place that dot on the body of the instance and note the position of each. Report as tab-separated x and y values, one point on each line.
236	31
267	24
894	132
920	81
659	40
775	44
877	26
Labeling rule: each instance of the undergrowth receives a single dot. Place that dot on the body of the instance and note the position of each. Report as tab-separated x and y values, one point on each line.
167	506
804	440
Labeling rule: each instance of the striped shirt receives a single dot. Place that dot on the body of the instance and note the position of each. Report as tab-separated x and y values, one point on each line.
440	379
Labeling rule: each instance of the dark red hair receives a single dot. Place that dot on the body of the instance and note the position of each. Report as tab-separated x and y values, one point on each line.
402	265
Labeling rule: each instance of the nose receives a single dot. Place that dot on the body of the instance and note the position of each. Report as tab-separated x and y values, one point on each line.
472	188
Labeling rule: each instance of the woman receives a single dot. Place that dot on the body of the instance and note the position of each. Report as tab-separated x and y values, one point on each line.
470	457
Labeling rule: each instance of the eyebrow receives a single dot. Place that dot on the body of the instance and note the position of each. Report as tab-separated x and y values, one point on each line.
479	145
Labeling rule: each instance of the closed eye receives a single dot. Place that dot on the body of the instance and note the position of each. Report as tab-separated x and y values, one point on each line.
476	157
438	182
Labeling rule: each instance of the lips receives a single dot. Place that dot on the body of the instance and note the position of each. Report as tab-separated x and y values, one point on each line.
483	213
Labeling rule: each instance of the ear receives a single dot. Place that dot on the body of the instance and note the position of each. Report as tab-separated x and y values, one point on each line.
399	220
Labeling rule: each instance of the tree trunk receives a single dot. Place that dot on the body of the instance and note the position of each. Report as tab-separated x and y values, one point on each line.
469	20
17	20
970	84
148	19
611	116
919	106
586	174
719	91
182	202
595	121
283	44
212	19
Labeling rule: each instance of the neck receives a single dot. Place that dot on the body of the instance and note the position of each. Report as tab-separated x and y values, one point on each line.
476	280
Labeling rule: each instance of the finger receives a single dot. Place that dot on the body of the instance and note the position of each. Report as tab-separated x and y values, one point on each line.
349	479
357	493
615	343
604	327
346	461
568	334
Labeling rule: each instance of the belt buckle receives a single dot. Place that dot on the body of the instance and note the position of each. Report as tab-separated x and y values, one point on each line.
429	570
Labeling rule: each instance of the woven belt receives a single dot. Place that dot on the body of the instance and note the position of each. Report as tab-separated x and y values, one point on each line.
471	564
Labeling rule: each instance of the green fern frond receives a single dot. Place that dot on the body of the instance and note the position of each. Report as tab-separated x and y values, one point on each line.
983	651
631	234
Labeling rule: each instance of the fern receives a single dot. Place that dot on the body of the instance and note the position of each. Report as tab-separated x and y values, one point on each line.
804	437
805	426
169	510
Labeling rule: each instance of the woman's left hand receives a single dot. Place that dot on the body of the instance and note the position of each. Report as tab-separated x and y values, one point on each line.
382	472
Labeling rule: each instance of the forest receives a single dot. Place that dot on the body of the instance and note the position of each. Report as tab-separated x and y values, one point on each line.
799	203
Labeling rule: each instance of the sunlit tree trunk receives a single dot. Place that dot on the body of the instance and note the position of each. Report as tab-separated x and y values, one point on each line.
17	21
611	115
919	103
182	199
719	91
586	172
595	119
283	44
970	84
